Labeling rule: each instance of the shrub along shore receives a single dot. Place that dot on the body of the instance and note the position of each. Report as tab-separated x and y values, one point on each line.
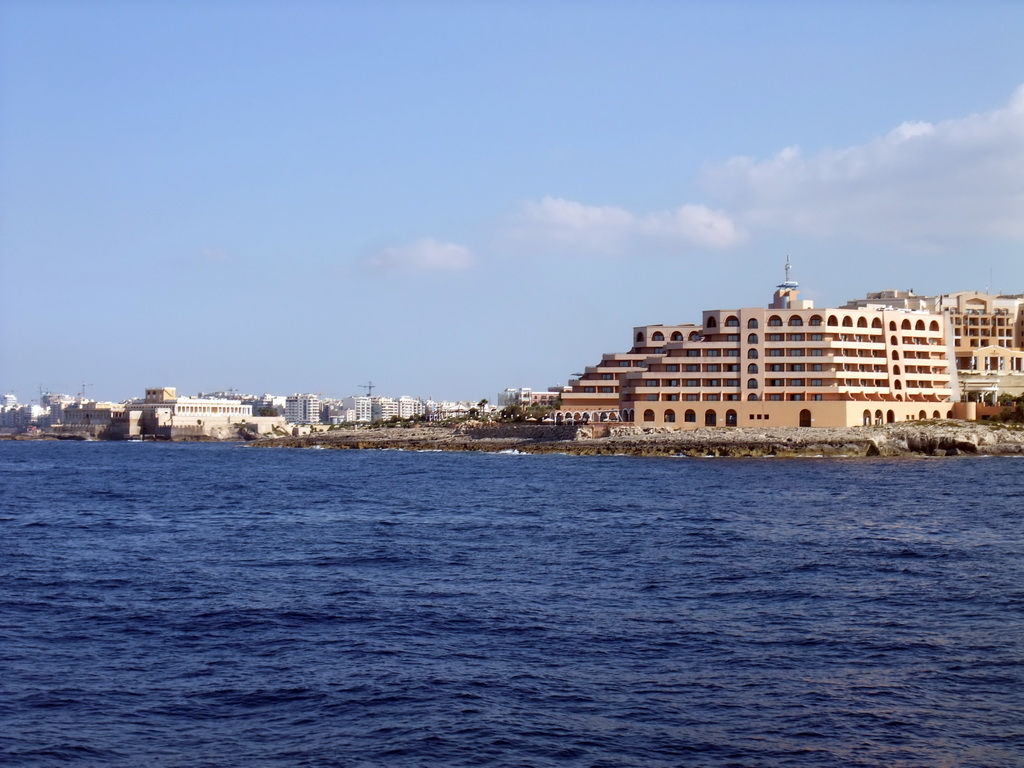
930	438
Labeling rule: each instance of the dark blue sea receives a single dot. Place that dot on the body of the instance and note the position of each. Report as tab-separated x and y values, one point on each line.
221	605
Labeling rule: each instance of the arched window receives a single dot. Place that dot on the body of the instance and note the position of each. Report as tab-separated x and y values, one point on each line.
892	325
694	335
677	336
923	415
640	337
648	415
893	341
906	325
690	416
878	417
876	323
795	320
751	323
752	354
936	415
862	322
658	336
919	325
890	417
895	370
832	320
730	418
712	323
751	383
933	326
710	418
898	385
752	338
732	322
774	320
867	418
752	396
895	355
815	320
805	417
752	368
847	322
670	416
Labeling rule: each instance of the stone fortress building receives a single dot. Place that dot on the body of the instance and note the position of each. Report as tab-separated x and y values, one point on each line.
162	414
789	365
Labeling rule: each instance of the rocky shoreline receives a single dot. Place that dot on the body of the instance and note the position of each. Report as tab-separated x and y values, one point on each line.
939	438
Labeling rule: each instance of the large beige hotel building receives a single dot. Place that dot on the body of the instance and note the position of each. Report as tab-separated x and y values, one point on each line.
787	365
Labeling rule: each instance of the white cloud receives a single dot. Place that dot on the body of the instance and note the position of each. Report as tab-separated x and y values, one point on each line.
577	227
423	255
919	184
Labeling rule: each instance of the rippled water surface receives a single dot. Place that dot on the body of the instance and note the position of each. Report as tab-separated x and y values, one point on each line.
217	605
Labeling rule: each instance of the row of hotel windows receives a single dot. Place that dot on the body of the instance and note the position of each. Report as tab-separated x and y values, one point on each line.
711	417
753	354
712	397
796	321
734	368
753	338
769	367
751	383
857	338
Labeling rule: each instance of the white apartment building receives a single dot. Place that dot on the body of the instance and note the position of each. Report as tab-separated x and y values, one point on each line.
358	408
411	407
302	409
383	408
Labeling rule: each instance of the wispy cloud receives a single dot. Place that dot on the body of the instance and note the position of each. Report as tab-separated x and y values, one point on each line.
918	184
425	255
575	227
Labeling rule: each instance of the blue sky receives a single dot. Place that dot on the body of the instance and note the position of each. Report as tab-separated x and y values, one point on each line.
450	198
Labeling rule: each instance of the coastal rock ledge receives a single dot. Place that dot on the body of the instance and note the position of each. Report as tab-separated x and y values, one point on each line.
937	438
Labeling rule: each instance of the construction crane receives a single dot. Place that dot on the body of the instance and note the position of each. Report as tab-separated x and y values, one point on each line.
368	387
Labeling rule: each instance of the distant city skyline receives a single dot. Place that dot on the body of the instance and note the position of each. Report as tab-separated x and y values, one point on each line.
450	199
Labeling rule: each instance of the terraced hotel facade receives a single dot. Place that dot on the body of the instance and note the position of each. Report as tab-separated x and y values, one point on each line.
787	365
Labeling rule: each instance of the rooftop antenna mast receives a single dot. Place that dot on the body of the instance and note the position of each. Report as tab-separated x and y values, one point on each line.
790	282
368	387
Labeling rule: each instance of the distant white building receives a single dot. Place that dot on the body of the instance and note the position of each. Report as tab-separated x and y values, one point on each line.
263	405
411	407
446	409
302	409
383	408
56	403
8	401
21	416
357	409
524	396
